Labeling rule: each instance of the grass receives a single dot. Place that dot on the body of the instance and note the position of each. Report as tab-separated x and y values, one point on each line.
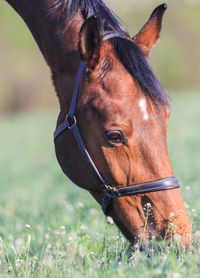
51	228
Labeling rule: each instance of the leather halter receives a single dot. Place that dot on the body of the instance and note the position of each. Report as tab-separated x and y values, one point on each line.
110	193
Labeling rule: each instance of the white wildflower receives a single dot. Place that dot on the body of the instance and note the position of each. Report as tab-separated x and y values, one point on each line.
28	226
49	246
148	205
83	227
194	212
10	268
92	253
109	220
80	205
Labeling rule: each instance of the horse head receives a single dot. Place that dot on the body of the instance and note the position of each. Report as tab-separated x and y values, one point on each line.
122	113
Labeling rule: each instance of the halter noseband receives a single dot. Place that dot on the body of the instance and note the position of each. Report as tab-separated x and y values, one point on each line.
110	193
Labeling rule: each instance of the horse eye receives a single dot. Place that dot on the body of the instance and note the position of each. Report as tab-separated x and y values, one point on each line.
114	136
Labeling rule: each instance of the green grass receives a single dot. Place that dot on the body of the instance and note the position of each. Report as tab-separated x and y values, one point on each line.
68	235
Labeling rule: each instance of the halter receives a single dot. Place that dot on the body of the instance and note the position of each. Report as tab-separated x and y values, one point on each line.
110	193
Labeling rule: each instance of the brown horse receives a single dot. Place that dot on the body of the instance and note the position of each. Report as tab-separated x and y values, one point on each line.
121	110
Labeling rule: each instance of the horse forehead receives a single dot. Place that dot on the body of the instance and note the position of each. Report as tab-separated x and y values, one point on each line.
116	107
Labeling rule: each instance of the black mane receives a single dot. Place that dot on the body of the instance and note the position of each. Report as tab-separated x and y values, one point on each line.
130	55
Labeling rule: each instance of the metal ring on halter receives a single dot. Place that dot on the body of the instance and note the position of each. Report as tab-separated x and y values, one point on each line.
68	119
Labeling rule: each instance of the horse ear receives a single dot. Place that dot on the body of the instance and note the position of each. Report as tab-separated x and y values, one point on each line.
150	33
90	40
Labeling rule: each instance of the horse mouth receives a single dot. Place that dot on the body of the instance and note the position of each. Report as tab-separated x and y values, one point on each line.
143	223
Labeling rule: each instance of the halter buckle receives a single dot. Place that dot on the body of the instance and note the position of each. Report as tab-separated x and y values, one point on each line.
71	121
112	191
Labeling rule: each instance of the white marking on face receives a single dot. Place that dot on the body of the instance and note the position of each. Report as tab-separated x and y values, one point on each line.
143	107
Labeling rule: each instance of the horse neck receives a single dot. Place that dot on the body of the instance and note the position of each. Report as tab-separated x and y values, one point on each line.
64	78
57	42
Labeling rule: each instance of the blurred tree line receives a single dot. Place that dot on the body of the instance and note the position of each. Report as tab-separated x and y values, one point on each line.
25	79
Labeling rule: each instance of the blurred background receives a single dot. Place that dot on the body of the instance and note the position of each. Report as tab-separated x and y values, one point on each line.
25	82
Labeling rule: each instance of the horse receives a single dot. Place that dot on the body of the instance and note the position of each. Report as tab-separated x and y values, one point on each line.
111	130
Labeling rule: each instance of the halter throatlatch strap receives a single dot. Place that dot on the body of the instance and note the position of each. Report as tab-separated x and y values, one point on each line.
70	123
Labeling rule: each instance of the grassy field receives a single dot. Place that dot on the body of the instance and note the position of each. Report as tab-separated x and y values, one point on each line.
51	228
